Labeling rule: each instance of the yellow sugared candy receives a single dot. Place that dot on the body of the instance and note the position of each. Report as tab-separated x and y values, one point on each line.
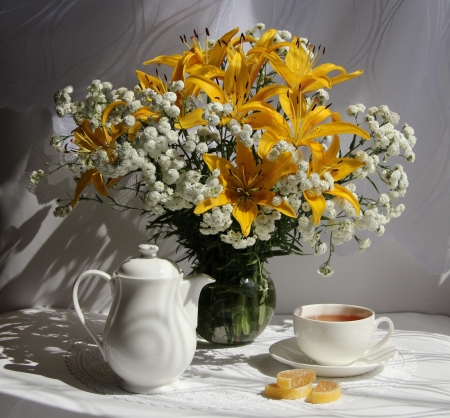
272	390
325	392
295	378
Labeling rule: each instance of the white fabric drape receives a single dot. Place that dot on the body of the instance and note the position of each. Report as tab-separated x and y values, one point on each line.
402	46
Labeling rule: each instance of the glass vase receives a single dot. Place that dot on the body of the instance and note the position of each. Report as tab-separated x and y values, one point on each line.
237	307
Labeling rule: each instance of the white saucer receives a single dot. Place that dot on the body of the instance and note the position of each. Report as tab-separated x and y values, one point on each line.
288	352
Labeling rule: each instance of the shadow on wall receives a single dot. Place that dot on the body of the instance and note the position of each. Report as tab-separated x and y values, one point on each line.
40	255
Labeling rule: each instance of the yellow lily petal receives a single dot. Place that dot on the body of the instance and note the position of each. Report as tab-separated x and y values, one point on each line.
318	155
97	181
237	82
133	131
143	113
264	198
293	106
268	92
342	167
269	49
266	38
309	80
193	118
334	80
265	117
214	92
241	39
344	77
170	60
245	213
210	203
105	115
180	68
272	171
332	152
266	143
112	182
255	57
335	128
108	109
257	107
282	69
318	115
96	137
269	121
244	160
225	167
82	183
116	131
207	71
318	206
219	51
297	59
82	140
346	194
150	82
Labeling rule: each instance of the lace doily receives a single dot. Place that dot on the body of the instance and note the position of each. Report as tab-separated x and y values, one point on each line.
222	377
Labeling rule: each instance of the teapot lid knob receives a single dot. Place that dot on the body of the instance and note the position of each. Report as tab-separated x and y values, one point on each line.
148	250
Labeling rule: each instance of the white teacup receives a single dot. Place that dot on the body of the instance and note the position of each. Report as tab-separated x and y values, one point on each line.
337	335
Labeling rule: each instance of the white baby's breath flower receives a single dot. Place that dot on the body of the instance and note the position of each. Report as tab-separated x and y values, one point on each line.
36	176
361	156
172	111
352	110
189	146
325	270
364	244
61	211
202	148
237	240
57	142
177	86
277	200
320	248
129	120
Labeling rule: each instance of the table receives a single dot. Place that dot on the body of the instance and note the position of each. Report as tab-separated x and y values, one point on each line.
40	349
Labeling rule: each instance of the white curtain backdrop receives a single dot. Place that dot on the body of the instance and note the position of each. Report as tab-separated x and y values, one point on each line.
402	46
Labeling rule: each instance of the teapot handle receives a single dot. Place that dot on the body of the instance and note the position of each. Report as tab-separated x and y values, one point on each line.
80	314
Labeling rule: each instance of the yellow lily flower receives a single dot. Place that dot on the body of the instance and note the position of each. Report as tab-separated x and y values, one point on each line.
298	68
247	185
256	57
306	126
197	56
338	168
88	141
185	120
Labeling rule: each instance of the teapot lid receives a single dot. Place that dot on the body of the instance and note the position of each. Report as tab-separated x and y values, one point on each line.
148	265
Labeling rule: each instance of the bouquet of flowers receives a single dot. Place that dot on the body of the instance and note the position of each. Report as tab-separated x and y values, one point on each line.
235	152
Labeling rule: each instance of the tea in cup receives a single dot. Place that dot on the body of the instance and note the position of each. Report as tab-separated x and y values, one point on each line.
335	334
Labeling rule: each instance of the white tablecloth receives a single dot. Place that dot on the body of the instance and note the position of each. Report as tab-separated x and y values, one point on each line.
40	350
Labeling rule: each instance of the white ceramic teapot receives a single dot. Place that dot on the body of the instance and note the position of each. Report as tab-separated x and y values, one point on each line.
149	338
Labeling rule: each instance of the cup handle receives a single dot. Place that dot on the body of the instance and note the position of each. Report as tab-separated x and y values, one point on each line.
386	337
80	314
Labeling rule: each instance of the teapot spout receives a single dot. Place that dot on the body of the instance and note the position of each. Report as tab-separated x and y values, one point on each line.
190	289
